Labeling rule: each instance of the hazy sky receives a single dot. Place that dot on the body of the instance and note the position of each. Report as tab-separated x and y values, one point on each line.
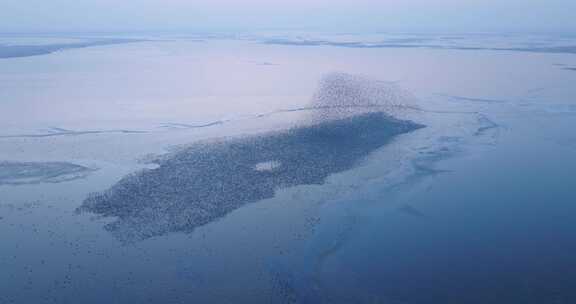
458	15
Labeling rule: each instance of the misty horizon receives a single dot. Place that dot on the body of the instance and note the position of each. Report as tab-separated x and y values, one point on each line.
249	15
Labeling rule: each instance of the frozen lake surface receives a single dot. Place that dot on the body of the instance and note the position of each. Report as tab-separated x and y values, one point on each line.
288	168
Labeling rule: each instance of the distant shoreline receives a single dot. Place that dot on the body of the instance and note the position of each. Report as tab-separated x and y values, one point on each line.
18	51
570	49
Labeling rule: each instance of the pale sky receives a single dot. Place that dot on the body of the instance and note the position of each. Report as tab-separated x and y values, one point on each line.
130	15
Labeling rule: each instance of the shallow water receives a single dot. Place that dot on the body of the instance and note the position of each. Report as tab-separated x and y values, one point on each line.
475	207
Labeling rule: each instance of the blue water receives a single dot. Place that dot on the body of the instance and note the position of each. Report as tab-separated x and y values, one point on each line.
497	229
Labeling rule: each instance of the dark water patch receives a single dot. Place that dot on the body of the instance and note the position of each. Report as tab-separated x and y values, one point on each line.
408	40
348	44
14	51
357	44
202	183
22	173
553	49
